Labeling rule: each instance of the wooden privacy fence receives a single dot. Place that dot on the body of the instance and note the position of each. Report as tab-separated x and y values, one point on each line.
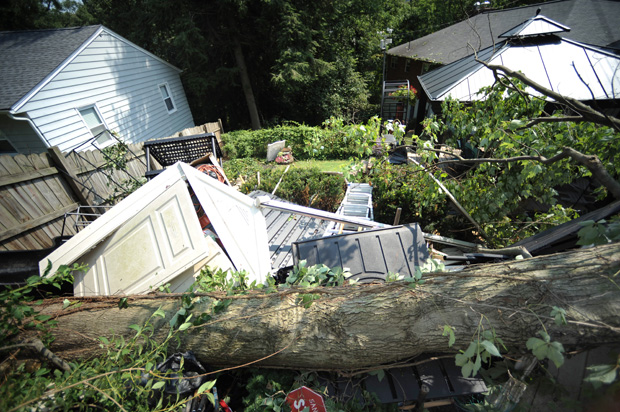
39	193
38	190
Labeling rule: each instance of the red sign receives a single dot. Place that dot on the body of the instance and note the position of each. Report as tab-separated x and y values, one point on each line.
304	397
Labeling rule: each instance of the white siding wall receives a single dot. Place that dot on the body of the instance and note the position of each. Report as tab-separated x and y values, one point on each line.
21	135
123	82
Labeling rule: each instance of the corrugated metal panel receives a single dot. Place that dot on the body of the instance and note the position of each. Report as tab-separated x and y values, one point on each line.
284	228
123	81
368	255
438	84
573	69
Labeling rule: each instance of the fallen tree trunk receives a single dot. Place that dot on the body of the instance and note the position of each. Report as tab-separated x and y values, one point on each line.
357	326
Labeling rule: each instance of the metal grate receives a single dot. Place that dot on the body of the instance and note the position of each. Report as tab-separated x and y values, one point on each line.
182	149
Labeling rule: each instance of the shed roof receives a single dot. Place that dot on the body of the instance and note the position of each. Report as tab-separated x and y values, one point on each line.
591	21
567	67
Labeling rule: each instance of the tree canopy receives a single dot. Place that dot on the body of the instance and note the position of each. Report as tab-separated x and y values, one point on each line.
293	60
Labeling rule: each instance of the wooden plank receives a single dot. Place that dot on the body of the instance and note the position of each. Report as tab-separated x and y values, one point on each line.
72	179
36	222
42	197
25	176
25	200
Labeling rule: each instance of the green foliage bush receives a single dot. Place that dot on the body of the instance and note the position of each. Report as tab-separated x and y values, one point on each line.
494	193
334	140
305	187
407	187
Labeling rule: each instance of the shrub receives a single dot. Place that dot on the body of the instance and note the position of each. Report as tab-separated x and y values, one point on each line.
406	187
305	187
335	140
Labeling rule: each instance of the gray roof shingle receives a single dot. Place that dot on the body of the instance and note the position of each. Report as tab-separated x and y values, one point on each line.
591	21
27	57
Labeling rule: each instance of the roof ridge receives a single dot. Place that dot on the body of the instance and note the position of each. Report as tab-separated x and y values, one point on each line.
50	29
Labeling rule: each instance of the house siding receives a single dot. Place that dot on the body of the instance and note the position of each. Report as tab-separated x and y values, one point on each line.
122	81
21	135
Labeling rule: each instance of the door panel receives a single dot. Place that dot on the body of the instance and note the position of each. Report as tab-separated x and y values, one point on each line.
161	242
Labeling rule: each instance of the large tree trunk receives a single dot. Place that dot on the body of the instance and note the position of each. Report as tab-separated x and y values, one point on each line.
356	326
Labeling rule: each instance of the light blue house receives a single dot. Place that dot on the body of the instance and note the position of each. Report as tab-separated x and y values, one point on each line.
64	87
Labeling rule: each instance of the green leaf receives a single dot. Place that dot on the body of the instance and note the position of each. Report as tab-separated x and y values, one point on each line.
185	325
490	347
159	385
135	327
66	303
447	330
43	318
380	374
122	303
601	374
538	347
460	359
477	365
471	350
467	369
555	356
159	312
206	386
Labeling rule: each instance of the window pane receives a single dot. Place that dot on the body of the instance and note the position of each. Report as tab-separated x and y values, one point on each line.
90	117
164	91
101	134
169	104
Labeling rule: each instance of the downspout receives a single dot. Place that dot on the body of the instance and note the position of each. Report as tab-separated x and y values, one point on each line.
34	127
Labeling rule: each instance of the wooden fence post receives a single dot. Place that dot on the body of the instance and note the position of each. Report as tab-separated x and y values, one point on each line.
71	178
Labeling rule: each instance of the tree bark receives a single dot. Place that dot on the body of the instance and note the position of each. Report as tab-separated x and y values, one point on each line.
358	326
245	80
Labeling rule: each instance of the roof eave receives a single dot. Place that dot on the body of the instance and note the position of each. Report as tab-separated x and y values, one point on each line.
21	102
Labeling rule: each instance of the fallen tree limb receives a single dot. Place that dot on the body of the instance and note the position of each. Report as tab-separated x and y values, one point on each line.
359	326
591	162
586	112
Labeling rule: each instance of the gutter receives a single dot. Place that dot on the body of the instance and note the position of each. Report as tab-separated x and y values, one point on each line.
34	127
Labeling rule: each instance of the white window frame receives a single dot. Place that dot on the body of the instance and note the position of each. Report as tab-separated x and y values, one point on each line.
109	141
164	98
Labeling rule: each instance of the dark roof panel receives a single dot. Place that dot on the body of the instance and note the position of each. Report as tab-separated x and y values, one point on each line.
539	25
591	21
28	57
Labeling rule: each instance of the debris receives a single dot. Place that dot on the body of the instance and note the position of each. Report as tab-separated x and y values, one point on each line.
154	237
274	148
285	156
368	256
305	398
167	152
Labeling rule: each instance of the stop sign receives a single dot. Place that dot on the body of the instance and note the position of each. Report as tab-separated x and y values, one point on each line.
304	397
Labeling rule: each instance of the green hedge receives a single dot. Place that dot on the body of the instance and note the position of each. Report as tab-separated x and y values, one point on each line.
303	186
335	140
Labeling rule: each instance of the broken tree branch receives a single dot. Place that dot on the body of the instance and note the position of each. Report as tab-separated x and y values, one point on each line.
591	162
587	113
355	327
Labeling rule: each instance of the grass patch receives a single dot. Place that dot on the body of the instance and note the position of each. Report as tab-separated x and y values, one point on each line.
322	165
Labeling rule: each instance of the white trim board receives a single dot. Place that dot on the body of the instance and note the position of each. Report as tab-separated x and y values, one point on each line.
239	223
